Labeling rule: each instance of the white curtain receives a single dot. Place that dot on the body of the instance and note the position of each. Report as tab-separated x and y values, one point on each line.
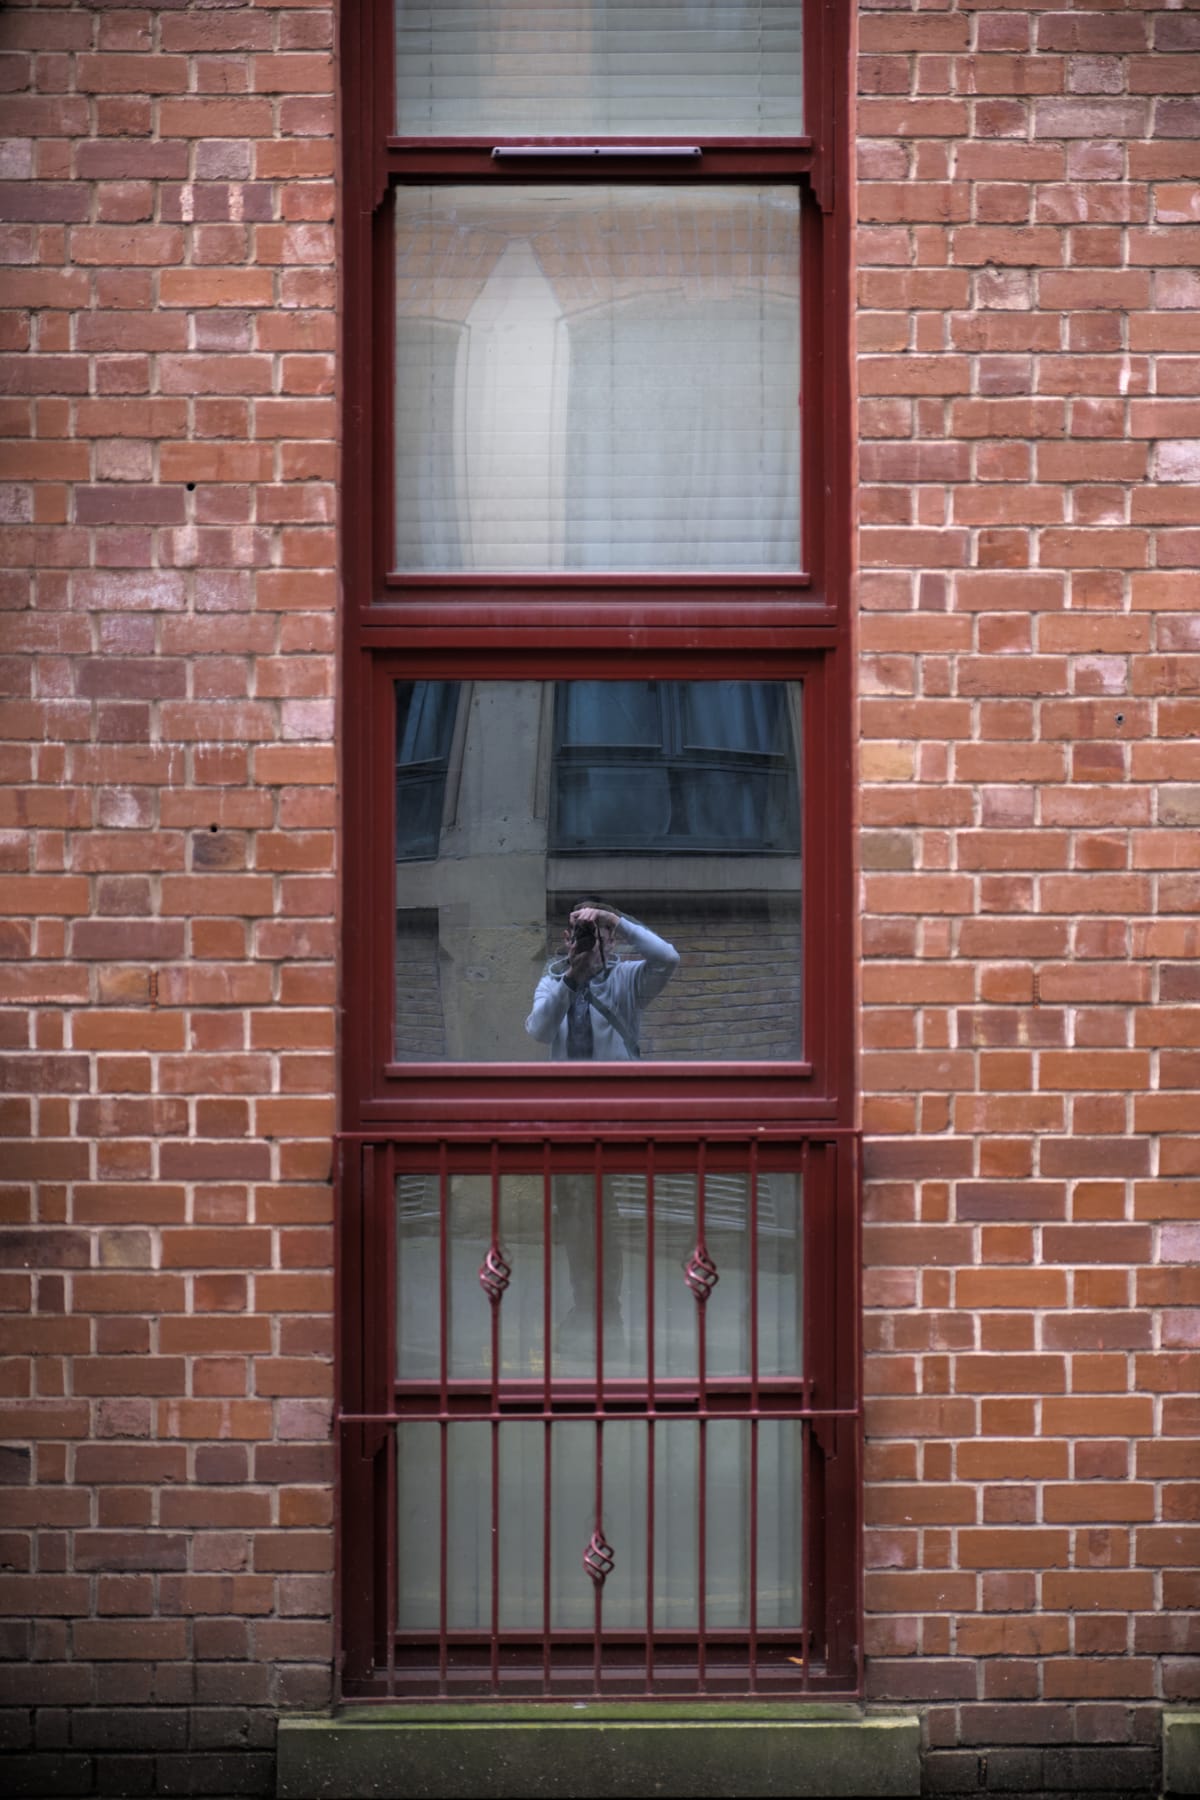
602	378
524	68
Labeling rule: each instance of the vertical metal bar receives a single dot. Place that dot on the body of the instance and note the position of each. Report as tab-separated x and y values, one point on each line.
597	1598
754	1247
650	1201
702	1451
494	1295
443	1274
443	1427
495	1432
805	1530
650	1422
754	1554
754	1401
547	1274
598	1587
547	1444
388	1339
816	1270
370	1324
598	1204
495	1618
443	1557
392	1452
377	1388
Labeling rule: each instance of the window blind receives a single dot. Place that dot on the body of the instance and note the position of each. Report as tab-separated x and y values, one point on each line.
517	68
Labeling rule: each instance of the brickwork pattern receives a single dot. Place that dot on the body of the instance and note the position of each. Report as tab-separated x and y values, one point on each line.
166	870
1028	359
1030	442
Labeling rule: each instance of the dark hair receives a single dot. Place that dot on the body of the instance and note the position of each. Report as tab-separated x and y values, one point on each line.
597	902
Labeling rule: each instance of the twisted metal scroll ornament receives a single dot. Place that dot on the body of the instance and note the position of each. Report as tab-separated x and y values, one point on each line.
701	1273
599	1557
494	1274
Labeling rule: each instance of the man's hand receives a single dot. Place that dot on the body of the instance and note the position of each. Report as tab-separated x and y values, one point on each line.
583	961
597	915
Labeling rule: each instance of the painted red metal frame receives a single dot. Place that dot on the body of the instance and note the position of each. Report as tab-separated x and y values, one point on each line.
382	1662
661	1115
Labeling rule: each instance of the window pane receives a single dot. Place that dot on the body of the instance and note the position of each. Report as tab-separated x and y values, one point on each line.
623	383
550	1482
693	846
627	1230
602	68
611	712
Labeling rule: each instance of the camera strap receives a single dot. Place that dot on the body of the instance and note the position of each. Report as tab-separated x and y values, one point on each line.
610	1018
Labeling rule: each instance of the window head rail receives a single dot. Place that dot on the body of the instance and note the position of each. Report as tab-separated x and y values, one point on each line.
677	151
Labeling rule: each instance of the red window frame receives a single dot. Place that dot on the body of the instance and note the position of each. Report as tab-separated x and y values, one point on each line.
550	627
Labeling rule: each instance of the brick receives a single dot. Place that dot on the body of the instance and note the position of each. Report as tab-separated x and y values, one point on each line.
1027	359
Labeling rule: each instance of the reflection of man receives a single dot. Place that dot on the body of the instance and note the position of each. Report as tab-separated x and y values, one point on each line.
588	1005
588	1008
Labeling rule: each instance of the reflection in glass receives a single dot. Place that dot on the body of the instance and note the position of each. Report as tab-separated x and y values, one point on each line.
713	766
425	713
597	377
679	801
520	68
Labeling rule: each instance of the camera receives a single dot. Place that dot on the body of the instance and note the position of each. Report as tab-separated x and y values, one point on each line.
583	935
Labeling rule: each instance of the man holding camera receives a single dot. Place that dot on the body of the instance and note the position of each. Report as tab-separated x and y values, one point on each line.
588	1008
588	1005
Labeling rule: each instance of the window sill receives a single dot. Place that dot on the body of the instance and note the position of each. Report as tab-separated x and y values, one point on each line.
725	1749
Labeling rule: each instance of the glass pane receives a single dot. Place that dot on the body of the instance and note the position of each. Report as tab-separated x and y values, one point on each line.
780	1274
597	378
729	1450
418	1528
602	68
469	1539
605	713
626	1233
677	1519
522	1515
780	1523
693	847
419	1280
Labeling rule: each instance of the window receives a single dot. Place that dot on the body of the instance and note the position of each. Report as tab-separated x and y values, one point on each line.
675	765
598	1190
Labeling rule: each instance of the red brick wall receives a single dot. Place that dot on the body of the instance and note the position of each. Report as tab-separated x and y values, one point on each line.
1030	664
1030	439
167	857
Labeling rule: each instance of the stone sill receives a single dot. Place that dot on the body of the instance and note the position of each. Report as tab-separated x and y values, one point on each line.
1181	1751
592	1752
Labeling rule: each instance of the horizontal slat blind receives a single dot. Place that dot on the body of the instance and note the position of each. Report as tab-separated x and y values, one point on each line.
519	68
601	378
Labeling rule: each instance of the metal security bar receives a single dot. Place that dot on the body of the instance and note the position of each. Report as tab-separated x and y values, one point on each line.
598	1423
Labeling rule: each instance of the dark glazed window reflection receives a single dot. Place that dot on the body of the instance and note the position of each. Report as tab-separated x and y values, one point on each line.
676	802
684	765
425	712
